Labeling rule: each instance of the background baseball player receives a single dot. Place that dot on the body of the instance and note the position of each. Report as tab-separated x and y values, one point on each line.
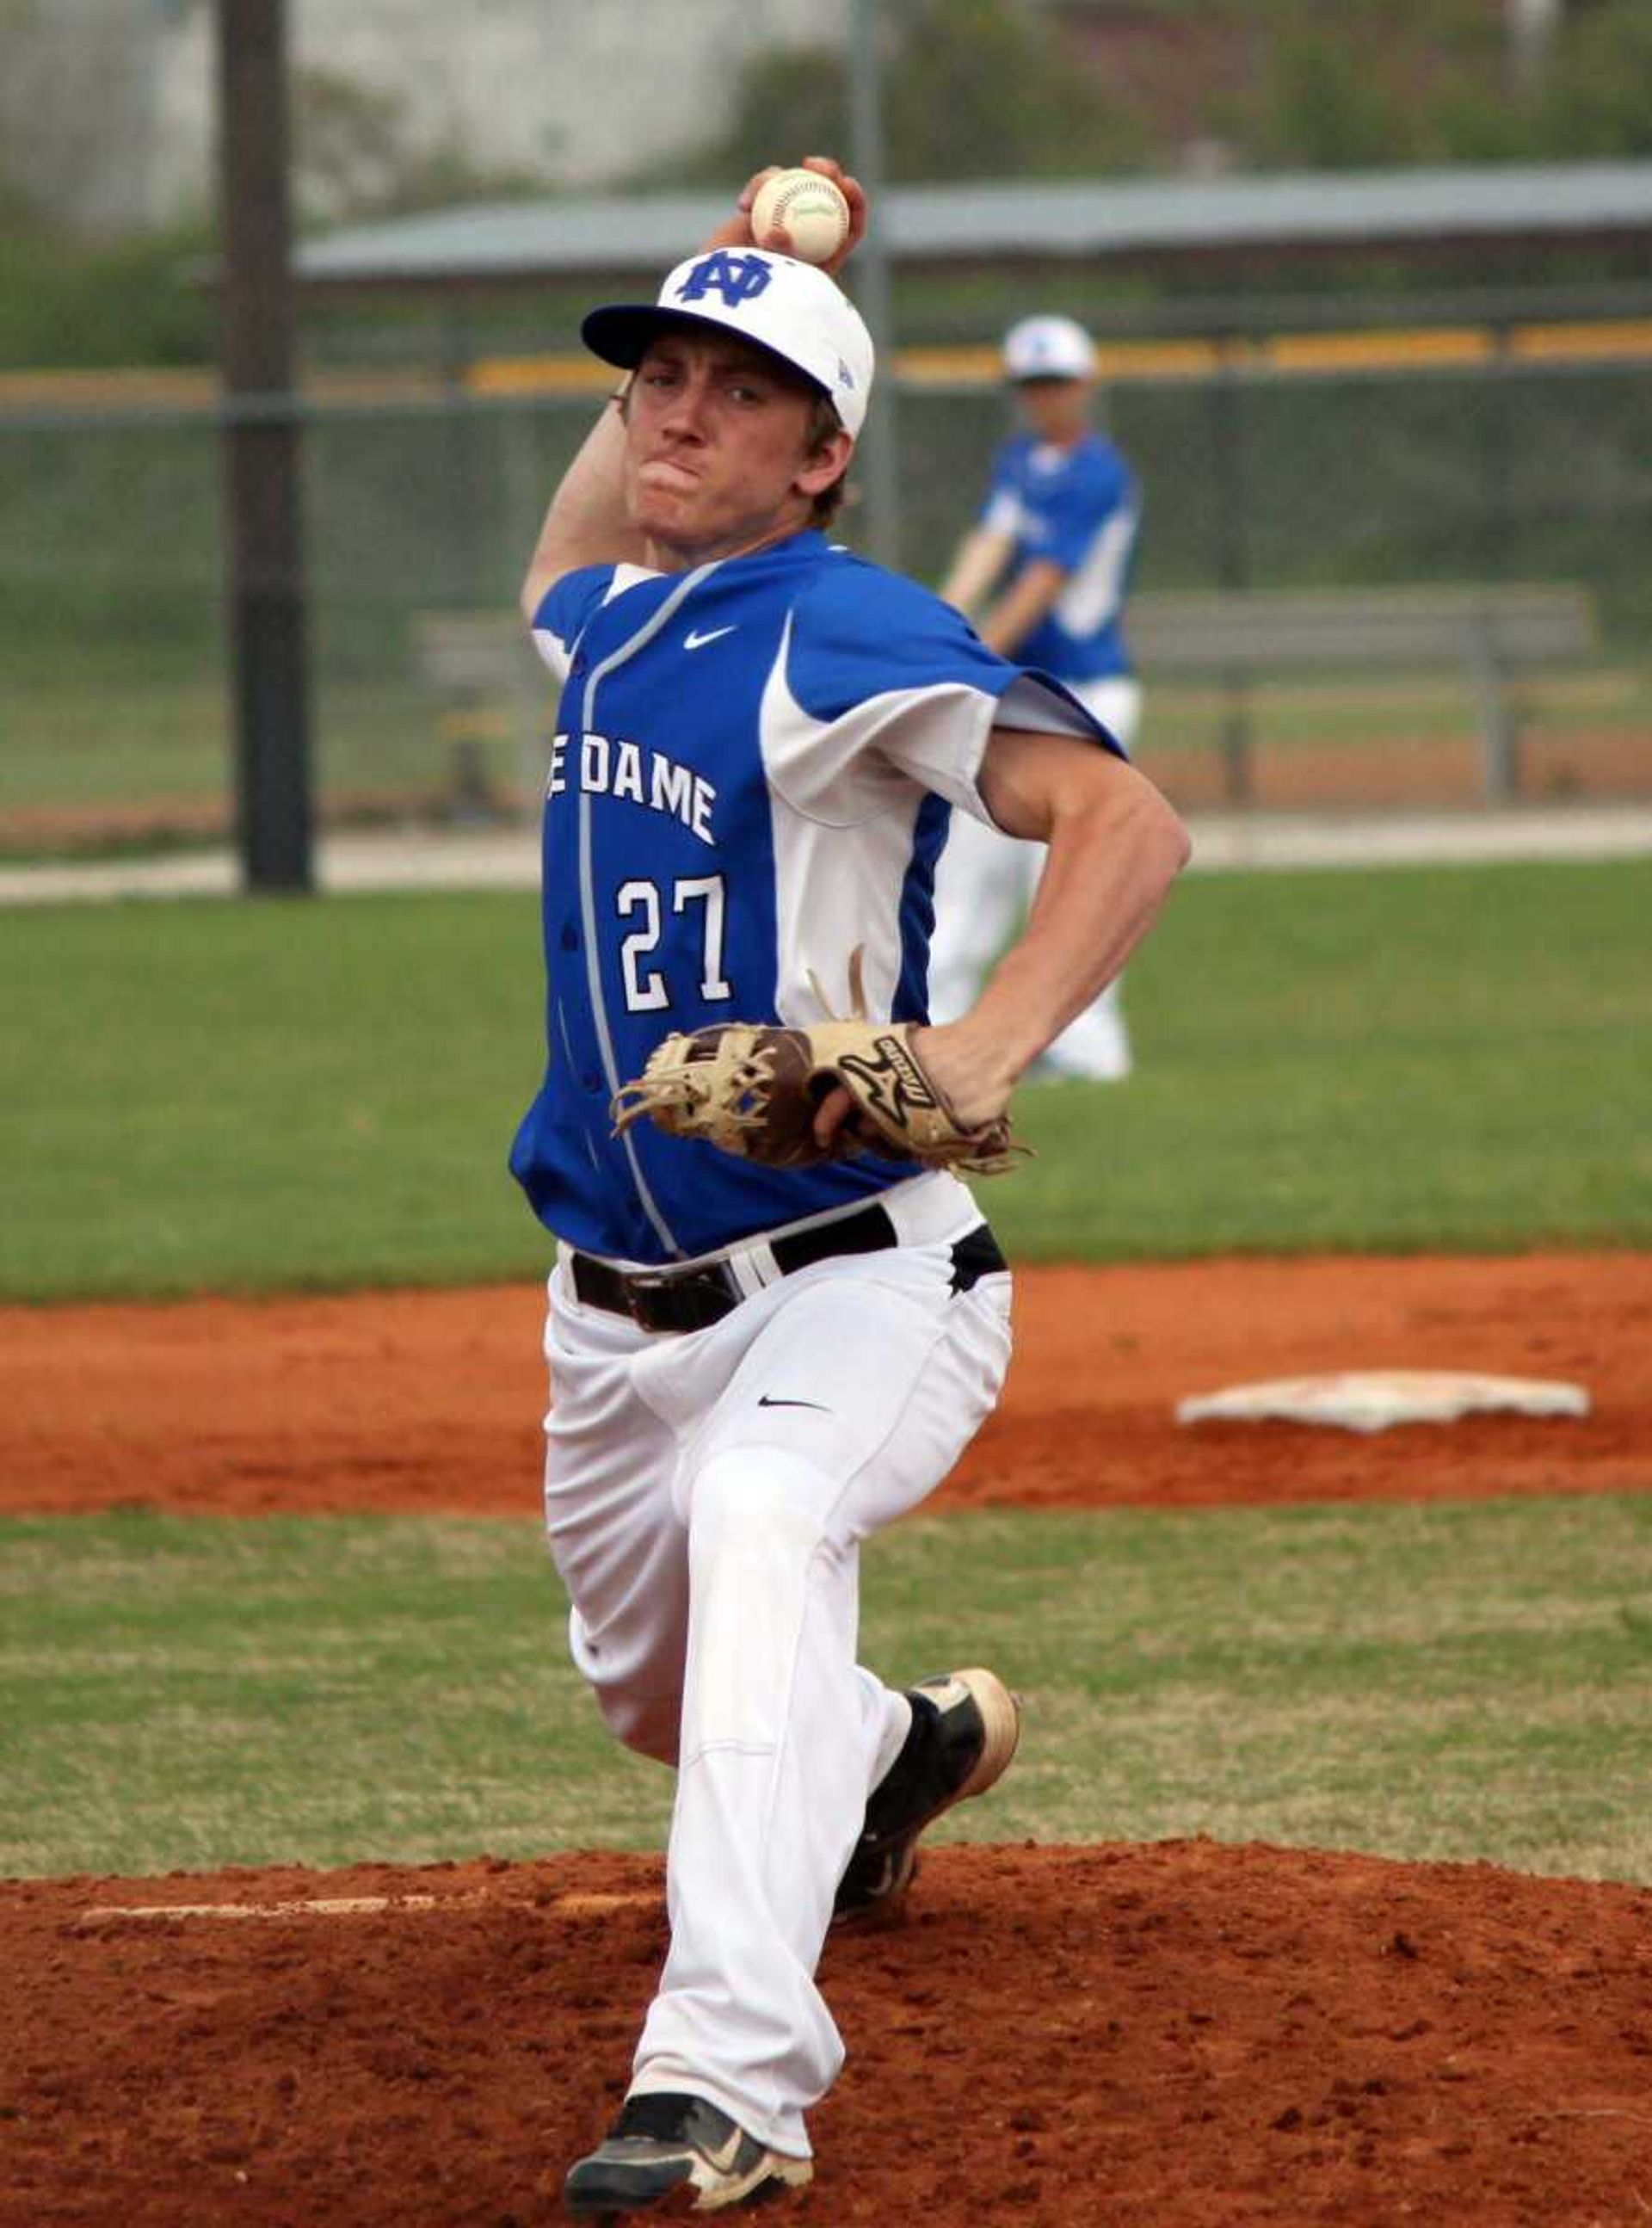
758	743
1046	569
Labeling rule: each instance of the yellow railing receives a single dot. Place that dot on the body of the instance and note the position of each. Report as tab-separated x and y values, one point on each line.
1402	350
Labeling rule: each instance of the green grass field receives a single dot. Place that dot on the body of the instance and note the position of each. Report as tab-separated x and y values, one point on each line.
1445	1682
284	1095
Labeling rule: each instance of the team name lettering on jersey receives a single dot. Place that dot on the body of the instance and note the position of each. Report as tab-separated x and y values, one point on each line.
609	766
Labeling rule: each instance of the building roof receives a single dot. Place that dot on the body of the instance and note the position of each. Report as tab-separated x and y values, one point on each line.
1122	219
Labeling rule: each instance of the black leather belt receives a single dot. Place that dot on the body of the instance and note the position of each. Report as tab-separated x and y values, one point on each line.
692	1299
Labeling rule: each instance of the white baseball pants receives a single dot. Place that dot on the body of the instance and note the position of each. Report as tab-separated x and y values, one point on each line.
983	886
705	1496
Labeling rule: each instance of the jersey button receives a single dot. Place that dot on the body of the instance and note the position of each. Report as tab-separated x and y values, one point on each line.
590	1080
570	939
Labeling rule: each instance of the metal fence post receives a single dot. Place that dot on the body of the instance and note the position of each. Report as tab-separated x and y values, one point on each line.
1498	766
879	451
266	594
1230	564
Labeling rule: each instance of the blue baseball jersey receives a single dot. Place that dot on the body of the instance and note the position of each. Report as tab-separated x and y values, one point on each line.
752	772
1080	506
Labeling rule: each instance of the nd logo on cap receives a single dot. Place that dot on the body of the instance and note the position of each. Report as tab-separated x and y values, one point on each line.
736	278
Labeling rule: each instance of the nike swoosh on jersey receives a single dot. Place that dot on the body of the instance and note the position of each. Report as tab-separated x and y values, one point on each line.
693	640
767	1400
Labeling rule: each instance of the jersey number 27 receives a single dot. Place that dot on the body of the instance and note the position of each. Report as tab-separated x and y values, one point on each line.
643	902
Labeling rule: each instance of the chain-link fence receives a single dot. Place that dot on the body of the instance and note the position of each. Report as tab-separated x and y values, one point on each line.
420	508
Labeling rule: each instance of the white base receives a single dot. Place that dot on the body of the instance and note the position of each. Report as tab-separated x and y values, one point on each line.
1369	1400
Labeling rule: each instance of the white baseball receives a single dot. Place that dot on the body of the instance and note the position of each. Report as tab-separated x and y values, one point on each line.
801	213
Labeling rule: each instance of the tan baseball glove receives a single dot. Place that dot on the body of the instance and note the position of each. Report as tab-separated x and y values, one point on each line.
753	1089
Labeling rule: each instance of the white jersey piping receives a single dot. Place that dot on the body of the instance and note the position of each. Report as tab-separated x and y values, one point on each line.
645	634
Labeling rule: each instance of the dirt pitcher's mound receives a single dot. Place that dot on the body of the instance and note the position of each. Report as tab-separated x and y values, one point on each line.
1186	2034
398	1401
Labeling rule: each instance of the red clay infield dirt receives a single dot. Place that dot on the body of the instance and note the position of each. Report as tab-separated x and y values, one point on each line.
1185	2034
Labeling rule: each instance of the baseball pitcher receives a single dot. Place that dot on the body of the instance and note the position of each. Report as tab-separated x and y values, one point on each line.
777	1314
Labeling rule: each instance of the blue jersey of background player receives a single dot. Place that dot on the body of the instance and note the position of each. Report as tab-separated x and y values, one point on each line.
752	771
1076	507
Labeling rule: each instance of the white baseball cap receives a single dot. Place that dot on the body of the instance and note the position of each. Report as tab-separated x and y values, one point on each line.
1048	347
791	309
